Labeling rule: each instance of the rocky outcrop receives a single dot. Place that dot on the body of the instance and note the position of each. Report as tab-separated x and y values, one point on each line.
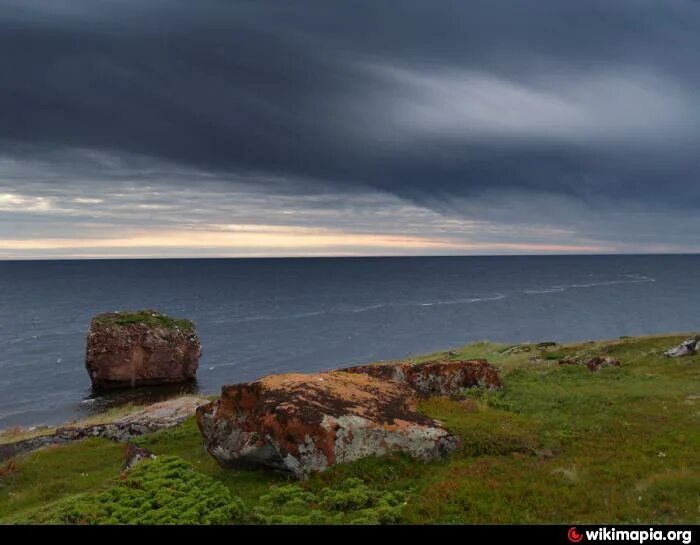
125	350
593	364
300	423
158	416
448	377
688	347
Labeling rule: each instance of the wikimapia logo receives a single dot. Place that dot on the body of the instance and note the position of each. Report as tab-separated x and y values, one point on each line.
635	536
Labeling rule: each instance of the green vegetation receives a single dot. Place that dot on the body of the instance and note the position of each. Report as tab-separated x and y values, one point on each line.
146	317
161	491
351	502
558	444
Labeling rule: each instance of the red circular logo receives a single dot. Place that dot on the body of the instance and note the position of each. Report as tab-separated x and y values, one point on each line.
573	535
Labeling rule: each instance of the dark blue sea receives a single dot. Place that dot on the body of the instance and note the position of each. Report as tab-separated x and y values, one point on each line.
261	316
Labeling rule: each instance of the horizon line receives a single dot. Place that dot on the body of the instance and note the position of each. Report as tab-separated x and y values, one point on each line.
402	256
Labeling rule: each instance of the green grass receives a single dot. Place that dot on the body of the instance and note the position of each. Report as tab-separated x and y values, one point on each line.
147	317
48	476
558	444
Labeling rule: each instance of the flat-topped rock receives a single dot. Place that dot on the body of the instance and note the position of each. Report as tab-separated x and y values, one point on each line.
437	377
129	349
300	423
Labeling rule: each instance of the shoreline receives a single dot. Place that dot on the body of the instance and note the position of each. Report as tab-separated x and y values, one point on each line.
188	390
613	444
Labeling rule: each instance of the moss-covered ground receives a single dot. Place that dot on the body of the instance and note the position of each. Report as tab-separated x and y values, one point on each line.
558	444
146	317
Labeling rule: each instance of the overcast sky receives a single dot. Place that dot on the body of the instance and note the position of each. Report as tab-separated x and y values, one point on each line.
276	128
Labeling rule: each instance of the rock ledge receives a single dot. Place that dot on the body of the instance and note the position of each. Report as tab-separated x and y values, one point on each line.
158	416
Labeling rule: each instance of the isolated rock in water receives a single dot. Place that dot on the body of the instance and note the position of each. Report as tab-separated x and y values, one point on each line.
436	377
686	348
594	364
128	349
301	423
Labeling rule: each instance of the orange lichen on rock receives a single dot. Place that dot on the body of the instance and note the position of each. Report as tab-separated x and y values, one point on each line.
439	377
301	423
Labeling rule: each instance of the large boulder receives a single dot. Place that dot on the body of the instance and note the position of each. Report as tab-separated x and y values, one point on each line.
446	377
300	423
128	349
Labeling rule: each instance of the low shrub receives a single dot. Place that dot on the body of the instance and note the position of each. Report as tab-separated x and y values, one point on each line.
353	502
165	490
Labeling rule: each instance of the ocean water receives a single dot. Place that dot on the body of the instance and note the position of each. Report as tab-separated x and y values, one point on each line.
261	316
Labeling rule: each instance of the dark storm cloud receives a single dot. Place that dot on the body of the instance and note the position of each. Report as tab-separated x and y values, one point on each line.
595	101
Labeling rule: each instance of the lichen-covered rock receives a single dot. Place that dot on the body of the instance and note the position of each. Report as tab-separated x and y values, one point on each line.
593	364
301	423
596	363
448	377
688	347
128	349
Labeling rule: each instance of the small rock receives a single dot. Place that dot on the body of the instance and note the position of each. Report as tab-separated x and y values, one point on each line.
517	349
569	360
469	405
546	344
8	469
133	455
594	364
686	348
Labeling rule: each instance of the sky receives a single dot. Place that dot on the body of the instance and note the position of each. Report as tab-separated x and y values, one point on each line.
229	128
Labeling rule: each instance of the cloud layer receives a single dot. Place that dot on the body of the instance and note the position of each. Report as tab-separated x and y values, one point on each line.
555	126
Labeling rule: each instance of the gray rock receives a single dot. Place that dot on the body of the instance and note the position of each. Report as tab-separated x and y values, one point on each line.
158	416
687	348
134	455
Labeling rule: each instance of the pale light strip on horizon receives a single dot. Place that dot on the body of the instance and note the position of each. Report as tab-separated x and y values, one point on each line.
277	239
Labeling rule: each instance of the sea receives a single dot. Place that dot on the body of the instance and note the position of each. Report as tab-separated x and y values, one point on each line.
261	316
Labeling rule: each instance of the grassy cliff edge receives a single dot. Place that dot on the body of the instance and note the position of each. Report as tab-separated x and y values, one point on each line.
558	444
